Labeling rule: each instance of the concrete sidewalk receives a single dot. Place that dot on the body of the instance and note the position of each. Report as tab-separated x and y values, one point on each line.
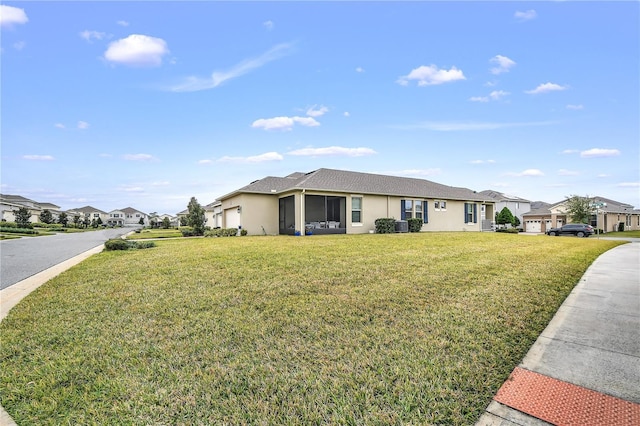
586	363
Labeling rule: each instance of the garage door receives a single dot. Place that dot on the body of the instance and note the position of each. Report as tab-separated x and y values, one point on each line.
231	218
533	226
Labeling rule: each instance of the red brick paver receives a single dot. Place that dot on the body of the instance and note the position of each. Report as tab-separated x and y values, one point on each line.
561	403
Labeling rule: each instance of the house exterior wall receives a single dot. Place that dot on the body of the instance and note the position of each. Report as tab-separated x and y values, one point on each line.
256	211
517	208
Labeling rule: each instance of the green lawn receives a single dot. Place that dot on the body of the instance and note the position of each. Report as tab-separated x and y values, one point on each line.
627	234
155	233
348	329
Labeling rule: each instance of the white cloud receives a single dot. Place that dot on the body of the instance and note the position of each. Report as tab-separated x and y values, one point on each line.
268	25
38	157
137	50
570	151
312	112
123	23
131	188
575	107
92	35
59	126
359	69
10	16
139	157
526	15
527	173
346	114
19	45
629	184
333	150
431	75
503	64
160	183
545	88
599	152
205	161
194	84
496	95
267	156
82	125
565	172
283	123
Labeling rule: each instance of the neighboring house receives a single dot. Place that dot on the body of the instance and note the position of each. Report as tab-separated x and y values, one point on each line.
89	212
159	219
607	216
127	217
327	201
10	203
516	205
213	214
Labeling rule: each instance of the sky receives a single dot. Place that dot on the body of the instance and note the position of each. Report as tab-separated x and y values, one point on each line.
147	104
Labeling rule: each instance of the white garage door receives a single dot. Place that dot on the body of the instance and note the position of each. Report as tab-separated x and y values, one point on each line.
231	218
533	226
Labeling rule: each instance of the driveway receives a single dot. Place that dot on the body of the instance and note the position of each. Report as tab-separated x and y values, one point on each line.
24	257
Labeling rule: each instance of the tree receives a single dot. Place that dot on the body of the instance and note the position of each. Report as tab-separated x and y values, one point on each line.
505	216
99	221
166	223
86	222
141	221
46	216
578	208
94	223
23	217
63	219
76	220
183	221
516	222
195	217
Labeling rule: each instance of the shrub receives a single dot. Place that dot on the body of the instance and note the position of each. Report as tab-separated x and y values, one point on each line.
621	227
187	231
120	244
222	232
508	231
385	225
415	224
243	232
16	230
116	244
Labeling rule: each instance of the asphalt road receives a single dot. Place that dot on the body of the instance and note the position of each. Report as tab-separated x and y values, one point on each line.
24	257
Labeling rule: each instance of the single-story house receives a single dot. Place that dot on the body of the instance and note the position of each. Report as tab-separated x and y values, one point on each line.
606	215
328	201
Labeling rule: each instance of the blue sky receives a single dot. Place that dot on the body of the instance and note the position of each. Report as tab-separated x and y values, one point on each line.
146	104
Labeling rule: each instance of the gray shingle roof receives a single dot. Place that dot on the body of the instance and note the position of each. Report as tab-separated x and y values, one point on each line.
332	180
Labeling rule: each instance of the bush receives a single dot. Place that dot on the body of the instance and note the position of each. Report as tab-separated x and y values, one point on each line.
621	227
385	225
187	231
120	244
16	230
415	224
223	232
243	232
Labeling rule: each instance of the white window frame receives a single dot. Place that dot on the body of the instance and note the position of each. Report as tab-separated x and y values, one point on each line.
359	210
440	205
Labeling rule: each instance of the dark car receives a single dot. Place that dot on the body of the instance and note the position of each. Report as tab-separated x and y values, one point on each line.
577	229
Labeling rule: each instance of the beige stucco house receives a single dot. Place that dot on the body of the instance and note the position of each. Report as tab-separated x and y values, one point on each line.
328	201
607	215
127	217
10	203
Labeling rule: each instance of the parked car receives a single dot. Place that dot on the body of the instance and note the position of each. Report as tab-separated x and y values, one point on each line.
577	229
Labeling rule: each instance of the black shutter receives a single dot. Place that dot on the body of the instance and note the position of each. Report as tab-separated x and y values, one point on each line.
402	212
425	212
475	213
465	212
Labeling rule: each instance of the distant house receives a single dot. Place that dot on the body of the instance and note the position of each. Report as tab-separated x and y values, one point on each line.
212	215
516	205
127	217
10	203
327	201
608	217
88	212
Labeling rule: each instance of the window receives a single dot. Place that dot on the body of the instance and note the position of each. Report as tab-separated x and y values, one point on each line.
356	209
414	209
96	215
628	223
440	205
137	214
470	211
408	209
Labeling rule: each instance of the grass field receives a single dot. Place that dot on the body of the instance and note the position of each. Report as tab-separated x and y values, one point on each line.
155	233
348	329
